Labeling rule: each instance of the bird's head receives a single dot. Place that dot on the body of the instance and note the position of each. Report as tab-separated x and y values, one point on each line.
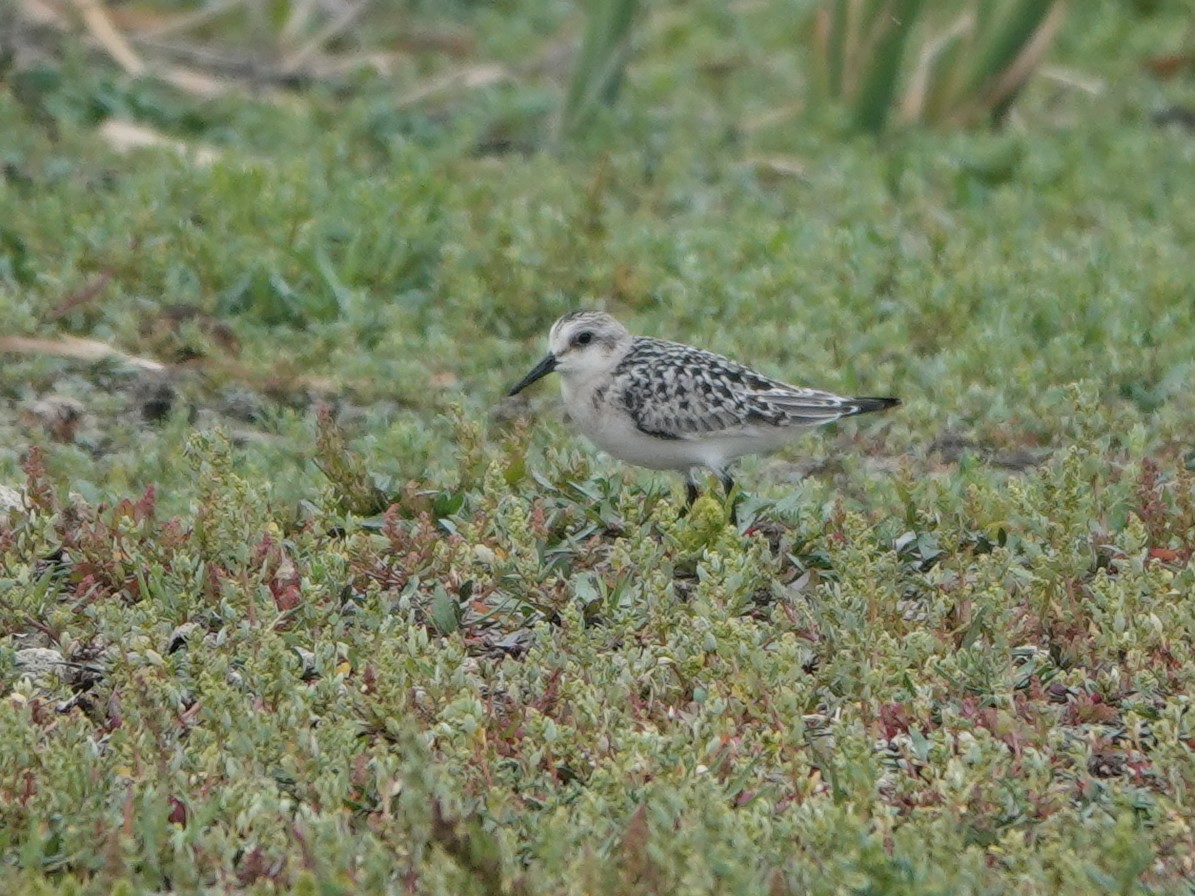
581	345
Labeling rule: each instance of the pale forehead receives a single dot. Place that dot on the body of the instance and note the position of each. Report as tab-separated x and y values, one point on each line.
575	319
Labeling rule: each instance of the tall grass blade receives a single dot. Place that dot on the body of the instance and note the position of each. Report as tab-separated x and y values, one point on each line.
964	70
885	47
827	50
1016	71
929	91
1008	31
597	75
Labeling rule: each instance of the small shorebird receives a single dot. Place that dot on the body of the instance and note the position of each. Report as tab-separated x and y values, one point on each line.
670	406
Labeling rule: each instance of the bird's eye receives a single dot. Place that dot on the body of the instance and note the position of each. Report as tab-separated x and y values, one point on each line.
584	338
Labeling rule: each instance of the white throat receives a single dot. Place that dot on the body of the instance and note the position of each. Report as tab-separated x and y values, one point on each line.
579	382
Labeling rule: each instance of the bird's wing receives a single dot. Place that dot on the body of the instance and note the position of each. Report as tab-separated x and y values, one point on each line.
674	391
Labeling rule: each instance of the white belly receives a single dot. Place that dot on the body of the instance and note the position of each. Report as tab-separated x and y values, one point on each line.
613	431
617	435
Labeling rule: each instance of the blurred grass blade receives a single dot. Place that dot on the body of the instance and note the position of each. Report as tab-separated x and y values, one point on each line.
1030	46
885	47
966	69
939	59
857	49
1009	26
597	75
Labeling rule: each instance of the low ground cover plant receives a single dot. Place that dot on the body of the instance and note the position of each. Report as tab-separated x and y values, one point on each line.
293	599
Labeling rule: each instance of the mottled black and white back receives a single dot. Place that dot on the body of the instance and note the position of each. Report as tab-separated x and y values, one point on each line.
670	406
676	391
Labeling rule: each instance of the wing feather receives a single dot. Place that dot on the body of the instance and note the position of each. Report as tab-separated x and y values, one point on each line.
675	391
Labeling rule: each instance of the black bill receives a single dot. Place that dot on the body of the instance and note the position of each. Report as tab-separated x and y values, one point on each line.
540	370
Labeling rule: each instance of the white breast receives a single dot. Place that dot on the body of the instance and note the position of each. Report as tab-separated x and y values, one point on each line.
611	428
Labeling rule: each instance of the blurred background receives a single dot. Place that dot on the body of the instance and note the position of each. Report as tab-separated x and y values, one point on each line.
239	210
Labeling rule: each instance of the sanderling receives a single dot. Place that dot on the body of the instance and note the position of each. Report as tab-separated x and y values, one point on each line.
670	406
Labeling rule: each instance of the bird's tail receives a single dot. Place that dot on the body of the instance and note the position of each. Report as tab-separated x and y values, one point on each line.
867	405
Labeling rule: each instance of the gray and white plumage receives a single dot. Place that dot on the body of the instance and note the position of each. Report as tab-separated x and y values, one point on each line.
670	406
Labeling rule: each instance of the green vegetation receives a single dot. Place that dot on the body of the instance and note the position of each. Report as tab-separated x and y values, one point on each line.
969	62
598	72
308	606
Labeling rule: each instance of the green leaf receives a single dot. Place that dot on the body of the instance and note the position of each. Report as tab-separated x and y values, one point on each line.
445	611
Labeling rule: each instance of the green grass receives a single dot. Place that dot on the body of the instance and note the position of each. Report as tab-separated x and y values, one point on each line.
340	622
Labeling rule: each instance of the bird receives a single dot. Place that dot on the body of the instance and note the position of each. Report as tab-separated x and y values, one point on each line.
670	406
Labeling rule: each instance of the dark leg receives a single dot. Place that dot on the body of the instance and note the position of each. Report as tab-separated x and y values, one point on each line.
690	492
728	485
